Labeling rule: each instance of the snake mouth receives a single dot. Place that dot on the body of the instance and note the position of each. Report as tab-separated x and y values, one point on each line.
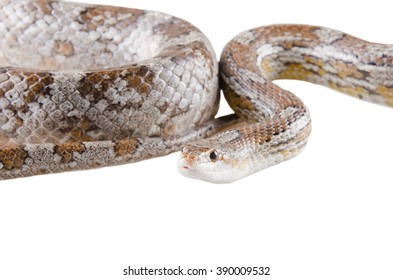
184	166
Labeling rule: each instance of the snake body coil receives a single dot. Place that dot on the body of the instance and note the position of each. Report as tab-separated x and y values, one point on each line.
85	86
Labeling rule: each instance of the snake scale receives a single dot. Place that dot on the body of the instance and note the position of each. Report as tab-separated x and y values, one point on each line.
86	86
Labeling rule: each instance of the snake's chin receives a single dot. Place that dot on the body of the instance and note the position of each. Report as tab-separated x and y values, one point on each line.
207	172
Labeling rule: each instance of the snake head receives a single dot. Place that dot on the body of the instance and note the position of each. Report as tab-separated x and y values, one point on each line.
209	163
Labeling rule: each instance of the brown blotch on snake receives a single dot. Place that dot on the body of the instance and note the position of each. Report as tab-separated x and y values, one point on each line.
12	157
66	150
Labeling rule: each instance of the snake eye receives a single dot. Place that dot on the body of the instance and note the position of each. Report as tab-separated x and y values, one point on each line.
213	155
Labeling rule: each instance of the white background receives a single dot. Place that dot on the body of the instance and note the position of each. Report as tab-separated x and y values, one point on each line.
327	214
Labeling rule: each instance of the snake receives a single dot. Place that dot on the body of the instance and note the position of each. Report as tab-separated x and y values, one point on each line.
85	86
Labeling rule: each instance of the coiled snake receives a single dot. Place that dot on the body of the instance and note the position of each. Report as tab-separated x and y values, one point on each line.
85	86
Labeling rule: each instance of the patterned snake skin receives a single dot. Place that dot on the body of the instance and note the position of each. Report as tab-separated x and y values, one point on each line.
85	86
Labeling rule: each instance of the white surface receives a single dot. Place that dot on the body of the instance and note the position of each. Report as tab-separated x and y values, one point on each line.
327	214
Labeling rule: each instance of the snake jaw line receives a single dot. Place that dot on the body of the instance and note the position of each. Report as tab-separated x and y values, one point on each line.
202	163
215	165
